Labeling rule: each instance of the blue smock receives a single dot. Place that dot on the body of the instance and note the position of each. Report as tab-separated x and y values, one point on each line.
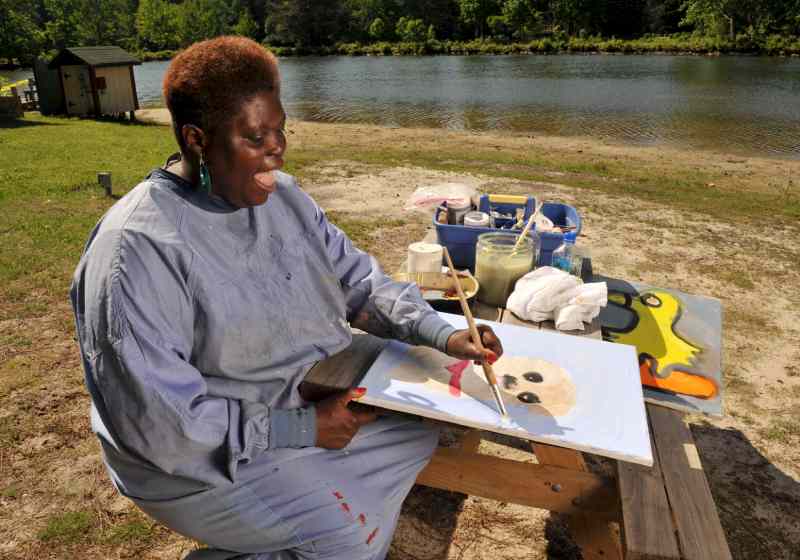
197	321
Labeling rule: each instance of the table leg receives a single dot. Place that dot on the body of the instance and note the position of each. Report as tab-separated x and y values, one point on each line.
598	539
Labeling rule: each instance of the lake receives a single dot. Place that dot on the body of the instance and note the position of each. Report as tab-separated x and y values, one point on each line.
738	104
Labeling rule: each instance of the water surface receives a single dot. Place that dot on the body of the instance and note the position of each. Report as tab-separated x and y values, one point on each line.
746	105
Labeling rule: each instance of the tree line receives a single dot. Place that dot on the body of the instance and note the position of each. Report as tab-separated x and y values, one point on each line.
34	27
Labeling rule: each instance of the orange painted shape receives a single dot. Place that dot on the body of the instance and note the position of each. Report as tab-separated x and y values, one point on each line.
679	382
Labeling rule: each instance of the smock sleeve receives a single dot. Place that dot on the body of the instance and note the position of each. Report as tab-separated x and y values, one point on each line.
375	302
137	332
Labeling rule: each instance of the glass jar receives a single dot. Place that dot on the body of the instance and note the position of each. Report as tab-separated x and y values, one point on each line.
498	266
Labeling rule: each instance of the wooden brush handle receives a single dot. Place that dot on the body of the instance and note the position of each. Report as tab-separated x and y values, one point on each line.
473	329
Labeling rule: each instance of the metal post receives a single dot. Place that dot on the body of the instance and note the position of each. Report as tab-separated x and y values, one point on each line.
104	179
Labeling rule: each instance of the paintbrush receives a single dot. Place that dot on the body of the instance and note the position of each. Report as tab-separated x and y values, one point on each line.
527	228
476	337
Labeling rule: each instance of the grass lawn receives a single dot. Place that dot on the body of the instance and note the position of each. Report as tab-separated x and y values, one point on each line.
50	200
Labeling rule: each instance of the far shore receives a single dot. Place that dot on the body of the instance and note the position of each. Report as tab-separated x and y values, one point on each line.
747	172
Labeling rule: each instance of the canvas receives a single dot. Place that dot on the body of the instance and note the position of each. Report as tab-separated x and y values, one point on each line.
678	338
559	389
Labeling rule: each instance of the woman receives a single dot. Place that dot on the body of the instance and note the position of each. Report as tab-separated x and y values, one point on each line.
203	298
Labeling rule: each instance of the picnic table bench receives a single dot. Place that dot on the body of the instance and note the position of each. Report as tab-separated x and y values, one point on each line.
665	512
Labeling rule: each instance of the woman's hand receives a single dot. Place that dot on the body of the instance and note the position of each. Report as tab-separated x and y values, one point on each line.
460	345
336	423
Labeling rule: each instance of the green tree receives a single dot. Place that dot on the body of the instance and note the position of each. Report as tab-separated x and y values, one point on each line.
377	29
204	19
63	28
157	25
522	17
567	14
714	17
20	38
498	28
411	30
305	22
107	22
246	26
475	12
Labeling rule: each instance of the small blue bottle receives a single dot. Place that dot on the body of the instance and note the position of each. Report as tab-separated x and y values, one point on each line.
562	256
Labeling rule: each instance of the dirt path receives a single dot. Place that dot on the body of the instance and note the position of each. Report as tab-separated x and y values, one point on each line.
50	463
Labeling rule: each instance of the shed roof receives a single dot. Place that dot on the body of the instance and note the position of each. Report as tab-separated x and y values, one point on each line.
94	56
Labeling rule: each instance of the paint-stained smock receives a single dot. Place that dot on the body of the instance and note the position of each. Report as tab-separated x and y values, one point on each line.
197	321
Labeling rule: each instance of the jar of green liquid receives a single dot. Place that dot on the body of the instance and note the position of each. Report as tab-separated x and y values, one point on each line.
498	266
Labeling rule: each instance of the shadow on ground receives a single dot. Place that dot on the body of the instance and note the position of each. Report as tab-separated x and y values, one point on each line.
7	122
756	501
758	504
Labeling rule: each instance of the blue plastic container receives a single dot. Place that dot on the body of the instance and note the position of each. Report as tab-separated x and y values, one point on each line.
461	240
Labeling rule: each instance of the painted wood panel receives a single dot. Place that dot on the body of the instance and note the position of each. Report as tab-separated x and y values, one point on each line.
77	90
117	97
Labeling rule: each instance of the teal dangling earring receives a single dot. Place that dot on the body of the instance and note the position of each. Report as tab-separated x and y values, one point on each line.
205	175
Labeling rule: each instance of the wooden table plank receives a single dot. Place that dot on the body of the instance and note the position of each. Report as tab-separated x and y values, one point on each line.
647	526
483	311
541	486
700	533
510	319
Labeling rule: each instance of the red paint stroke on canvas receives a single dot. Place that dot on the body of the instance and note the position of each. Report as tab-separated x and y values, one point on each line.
372	535
362	519
456	371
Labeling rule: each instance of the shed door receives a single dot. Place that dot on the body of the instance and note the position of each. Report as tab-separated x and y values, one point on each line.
77	90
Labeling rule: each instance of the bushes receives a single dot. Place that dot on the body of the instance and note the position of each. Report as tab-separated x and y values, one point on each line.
684	43
774	45
148	56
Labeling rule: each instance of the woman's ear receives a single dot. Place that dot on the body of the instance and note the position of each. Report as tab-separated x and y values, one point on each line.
194	139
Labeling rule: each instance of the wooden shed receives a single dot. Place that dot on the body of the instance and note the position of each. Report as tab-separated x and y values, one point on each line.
97	80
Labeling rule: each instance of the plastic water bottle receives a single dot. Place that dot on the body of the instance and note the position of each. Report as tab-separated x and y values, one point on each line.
562	256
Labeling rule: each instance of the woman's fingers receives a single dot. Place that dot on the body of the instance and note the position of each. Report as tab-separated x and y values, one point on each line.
336	423
364	415
490	342
461	345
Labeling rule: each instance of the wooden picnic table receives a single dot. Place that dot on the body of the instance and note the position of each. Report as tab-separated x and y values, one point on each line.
665	512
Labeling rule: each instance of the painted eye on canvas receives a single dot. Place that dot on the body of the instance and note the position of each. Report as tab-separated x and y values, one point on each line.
651	300
528	398
509	382
533	377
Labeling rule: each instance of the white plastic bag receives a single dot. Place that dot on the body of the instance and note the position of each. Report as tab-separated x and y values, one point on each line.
429	197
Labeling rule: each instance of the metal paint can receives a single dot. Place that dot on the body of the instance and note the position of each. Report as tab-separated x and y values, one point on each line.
456	210
477	219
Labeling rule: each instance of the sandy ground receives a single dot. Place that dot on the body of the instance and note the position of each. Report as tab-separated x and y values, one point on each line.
751	457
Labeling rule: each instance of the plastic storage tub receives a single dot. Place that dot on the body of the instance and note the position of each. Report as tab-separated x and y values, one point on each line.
460	240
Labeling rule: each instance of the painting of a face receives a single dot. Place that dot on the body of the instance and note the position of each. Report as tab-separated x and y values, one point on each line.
540	386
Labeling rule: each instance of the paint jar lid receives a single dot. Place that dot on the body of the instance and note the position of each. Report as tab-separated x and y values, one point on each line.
477	219
457	204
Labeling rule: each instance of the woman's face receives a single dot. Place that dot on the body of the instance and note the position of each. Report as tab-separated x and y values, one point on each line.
243	155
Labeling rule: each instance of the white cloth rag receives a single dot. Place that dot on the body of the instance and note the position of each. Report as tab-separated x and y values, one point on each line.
548	293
